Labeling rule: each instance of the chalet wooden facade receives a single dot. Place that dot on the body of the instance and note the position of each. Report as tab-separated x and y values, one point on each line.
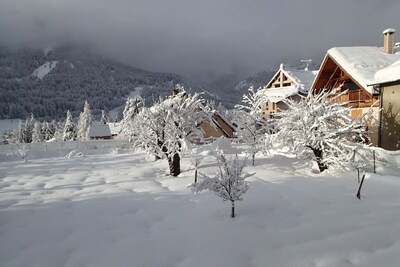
333	75
354	69
286	83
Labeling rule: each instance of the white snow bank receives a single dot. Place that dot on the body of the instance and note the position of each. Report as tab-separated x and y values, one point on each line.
44	69
119	210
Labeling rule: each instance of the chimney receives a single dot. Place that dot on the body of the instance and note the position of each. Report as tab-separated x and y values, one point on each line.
388	40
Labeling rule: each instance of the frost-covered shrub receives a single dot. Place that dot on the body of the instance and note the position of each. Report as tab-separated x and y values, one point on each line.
23	152
74	154
229	183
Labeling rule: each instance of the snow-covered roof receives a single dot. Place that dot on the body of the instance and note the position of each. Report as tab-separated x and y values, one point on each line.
99	130
389	74
276	95
303	78
363	62
224	119
115	127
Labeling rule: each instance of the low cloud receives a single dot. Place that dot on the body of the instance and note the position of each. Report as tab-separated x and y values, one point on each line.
199	39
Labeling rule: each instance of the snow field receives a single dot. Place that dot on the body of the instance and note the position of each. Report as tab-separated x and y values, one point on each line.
107	209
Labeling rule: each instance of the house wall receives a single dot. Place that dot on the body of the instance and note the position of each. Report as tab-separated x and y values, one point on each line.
272	108
373	124
390	117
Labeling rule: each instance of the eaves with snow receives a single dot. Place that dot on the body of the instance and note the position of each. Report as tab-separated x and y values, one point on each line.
362	63
288	82
389	74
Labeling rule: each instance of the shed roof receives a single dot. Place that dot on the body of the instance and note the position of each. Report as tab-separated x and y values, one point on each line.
99	130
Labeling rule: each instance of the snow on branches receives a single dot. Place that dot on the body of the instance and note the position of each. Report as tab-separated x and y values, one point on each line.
319	125
84	123
229	183
164	129
132	107
252	127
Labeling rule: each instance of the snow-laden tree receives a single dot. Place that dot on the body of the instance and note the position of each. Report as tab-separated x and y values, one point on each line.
69	132
319	127
229	183
132	107
37	135
84	123
48	130
19	134
251	125
164	129
104	117
24	132
29	124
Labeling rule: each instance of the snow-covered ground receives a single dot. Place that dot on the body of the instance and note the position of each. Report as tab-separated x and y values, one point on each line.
117	208
9	125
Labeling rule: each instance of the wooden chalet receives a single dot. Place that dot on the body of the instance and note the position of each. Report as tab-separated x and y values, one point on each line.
353	69
286	83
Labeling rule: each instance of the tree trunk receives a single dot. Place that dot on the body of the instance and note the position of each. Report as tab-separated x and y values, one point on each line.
254	156
174	163
318	156
233	210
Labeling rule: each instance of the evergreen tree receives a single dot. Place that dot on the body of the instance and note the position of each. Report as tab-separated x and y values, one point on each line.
37	135
47	131
69	128
29	124
84	123
104	117
132	107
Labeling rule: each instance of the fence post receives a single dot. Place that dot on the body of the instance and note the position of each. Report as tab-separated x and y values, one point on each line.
358	195
373	152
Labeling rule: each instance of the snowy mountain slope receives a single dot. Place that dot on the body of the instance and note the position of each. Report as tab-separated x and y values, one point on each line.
231	88
48	83
44	69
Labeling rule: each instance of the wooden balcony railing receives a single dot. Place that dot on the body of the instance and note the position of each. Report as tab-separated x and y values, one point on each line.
356	98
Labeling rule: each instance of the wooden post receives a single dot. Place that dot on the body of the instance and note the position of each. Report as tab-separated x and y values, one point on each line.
373	152
359	187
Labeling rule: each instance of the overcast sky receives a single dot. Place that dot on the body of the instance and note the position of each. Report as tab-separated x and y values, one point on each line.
201	39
